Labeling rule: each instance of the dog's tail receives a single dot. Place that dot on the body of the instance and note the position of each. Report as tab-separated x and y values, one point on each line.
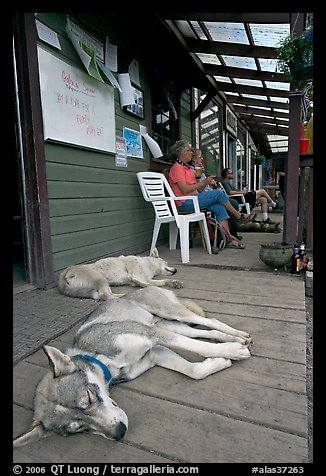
193	306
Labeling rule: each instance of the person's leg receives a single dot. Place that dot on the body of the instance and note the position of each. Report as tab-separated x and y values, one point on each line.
221	212
262	193
213	201
262	201
233	220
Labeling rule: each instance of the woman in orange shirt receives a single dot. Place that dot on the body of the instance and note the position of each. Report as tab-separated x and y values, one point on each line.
183	182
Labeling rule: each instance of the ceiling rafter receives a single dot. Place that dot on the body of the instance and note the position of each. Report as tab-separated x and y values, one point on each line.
217	70
256	102
225	48
248	118
243	88
269	129
256	110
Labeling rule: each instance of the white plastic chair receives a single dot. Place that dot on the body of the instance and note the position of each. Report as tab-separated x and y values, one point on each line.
157	190
242	202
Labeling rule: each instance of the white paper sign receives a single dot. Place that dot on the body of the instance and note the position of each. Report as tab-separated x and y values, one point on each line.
47	34
111	57
127	91
153	146
76	108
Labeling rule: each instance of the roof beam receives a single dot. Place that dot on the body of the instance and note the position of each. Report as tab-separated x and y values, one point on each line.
194	114
256	110
242	88
244	73
230	17
258	120
256	102
235	49
269	129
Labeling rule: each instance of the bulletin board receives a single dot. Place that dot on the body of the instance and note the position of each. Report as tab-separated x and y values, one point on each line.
77	109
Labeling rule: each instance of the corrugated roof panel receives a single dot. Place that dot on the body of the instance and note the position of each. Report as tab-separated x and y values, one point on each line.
269	35
277	85
185	29
229	32
208	58
239	61
249	82
268	64
223	79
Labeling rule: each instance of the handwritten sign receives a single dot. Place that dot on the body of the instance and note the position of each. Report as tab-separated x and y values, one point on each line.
77	109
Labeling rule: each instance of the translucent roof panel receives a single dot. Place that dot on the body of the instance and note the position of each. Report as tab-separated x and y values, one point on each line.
239	61
276	85
208	58
229	32
269	35
280	110
225	79
254	96
249	82
279	99
268	64
278	143
198	30
185	29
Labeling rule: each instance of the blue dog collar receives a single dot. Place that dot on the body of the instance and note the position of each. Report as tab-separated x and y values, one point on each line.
106	371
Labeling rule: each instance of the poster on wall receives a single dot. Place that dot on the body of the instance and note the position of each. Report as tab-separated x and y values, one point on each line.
134	146
77	109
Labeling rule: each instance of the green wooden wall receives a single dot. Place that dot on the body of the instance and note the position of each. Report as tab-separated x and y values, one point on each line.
96	208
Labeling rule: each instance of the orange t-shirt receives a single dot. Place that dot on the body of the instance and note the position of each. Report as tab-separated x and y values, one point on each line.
180	172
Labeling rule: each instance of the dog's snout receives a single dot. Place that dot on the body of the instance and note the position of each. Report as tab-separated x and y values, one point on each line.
121	431
171	270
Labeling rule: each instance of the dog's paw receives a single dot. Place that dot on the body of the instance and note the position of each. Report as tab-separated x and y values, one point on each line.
239	352
177	284
210	366
232	350
249	342
242	334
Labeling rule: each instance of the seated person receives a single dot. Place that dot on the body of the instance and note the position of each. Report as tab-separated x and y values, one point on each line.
255	197
183	182
198	168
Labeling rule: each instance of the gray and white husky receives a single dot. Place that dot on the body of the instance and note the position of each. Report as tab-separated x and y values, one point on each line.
122	339
92	280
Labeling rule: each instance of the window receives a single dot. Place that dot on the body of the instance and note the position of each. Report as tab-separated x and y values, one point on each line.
210	137
165	118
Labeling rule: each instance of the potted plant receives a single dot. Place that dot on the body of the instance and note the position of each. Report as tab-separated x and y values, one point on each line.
258	159
295	57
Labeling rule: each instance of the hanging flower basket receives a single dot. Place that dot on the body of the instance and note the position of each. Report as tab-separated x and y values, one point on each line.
295	58
258	159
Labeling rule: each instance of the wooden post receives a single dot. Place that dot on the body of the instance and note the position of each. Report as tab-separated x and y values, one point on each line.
291	205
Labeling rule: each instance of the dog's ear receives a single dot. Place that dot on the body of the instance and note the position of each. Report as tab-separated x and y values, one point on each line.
35	434
154	253
59	362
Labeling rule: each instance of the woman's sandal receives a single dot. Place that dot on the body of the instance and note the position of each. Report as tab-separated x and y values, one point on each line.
235	245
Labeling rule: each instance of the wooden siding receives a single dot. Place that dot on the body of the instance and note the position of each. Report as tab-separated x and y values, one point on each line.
97	209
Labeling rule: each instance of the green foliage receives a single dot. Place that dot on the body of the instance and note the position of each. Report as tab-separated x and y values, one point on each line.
295	57
258	159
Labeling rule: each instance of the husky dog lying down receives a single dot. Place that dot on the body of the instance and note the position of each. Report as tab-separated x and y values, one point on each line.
122	339
93	280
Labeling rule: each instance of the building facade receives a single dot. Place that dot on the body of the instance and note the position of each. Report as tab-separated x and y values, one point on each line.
80	143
